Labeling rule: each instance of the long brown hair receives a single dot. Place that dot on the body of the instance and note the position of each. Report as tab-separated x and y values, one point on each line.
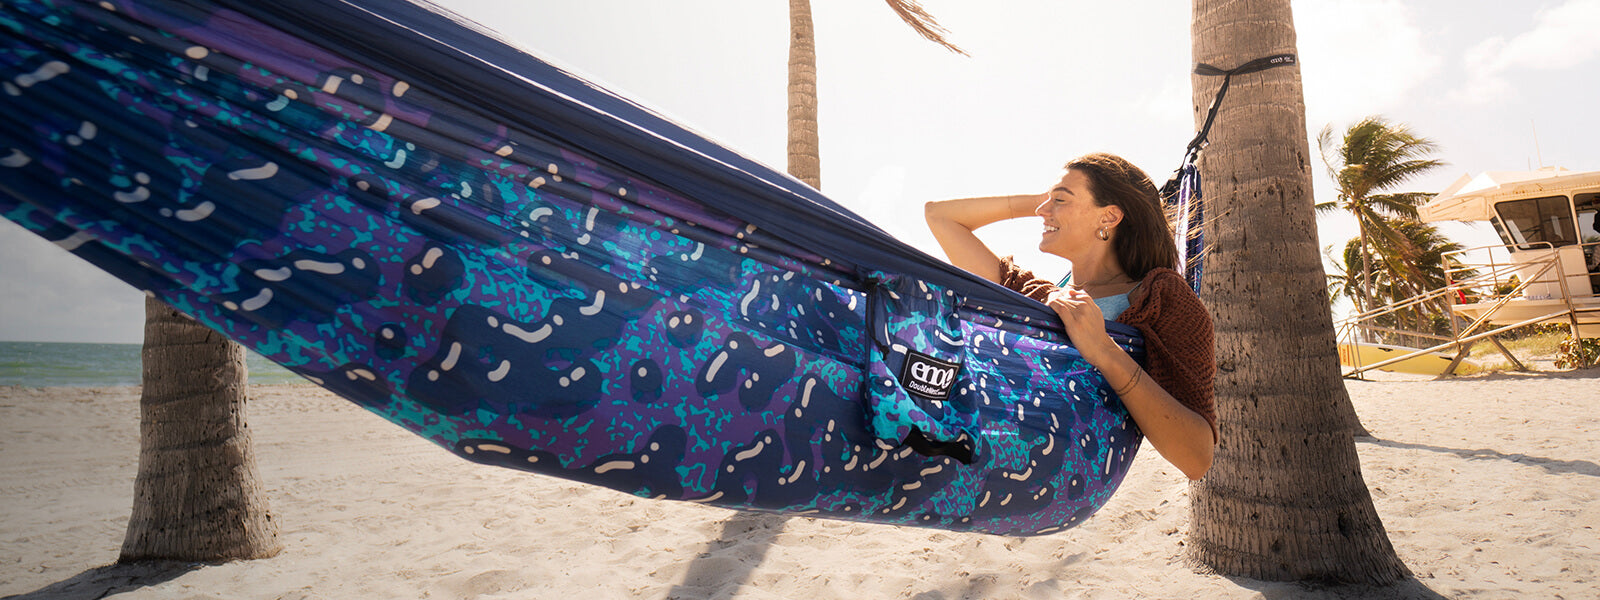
1143	240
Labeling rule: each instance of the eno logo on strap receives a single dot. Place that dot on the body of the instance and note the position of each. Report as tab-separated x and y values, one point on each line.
928	377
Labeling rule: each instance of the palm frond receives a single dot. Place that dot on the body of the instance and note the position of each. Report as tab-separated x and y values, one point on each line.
1329	152
1398	205
1327	207
1396	173
1376	155
925	25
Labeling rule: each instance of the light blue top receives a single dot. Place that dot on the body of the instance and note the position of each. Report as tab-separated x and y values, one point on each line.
1112	306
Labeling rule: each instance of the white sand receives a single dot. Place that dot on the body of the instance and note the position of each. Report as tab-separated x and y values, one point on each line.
1488	486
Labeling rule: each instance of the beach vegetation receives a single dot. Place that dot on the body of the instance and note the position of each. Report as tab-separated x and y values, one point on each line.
1534	344
1578	353
1413	266
1536	341
1392	249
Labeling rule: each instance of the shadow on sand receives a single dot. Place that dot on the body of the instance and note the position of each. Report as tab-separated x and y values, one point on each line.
726	563
1406	589
1584	373
988	586
101	582
1555	466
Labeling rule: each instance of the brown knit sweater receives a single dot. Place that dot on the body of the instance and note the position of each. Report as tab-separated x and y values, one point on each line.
1176	329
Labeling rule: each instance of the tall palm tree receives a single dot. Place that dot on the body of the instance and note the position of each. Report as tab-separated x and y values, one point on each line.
1284	499
1375	155
198	495
805	161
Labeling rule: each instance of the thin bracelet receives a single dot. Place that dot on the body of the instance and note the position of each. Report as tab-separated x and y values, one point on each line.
1133	382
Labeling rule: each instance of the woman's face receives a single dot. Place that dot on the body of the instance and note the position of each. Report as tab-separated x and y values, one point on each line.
1070	217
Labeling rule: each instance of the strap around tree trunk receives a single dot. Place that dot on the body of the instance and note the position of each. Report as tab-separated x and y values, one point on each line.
1257	65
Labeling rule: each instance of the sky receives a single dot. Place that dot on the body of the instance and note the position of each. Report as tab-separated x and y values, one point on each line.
1498	85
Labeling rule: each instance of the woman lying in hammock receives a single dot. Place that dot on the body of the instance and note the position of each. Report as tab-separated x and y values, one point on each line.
1105	216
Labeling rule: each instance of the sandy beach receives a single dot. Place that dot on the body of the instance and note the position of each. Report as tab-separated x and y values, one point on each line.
1488	486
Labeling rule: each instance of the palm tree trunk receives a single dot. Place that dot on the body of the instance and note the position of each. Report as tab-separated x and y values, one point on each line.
1284	499
1366	266
198	495
805	162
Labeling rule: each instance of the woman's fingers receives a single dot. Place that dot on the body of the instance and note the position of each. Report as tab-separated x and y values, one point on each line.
1077	310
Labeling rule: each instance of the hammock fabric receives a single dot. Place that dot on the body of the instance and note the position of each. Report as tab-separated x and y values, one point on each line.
533	272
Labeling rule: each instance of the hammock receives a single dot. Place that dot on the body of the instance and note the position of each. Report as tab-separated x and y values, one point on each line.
532	272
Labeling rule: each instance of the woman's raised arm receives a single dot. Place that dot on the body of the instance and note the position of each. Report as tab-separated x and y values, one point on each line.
953	222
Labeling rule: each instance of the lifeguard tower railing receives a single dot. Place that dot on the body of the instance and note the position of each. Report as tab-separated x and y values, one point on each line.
1491	285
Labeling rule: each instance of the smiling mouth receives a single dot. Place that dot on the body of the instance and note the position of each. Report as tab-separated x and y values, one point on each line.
1049	229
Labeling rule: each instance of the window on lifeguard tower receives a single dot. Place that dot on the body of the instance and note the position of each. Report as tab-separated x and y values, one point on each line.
1534	220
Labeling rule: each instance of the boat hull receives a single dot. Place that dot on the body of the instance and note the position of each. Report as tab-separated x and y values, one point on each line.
1358	355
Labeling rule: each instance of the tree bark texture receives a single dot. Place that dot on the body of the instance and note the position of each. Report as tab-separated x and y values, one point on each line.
198	495
805	162
1285	499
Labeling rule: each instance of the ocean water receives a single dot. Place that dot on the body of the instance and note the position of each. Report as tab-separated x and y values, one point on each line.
52	364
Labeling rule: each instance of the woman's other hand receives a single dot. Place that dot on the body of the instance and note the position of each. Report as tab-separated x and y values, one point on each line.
1085	324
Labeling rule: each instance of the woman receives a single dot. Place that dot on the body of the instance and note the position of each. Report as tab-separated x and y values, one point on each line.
1105	216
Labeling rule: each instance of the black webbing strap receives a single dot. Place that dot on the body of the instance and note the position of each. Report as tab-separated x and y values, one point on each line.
1191	153
1257	65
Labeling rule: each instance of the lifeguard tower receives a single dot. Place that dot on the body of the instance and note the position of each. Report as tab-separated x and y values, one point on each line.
1546	270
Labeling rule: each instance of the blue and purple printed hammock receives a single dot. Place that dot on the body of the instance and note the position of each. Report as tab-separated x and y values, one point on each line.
533	272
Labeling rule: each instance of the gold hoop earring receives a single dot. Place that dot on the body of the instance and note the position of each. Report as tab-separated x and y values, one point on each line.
1101	233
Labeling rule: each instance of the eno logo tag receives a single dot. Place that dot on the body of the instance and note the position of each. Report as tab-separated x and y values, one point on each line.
928	377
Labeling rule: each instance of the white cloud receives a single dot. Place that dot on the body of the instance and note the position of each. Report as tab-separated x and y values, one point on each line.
1562	38
1360	57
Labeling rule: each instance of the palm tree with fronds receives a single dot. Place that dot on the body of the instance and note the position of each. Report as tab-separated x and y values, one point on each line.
1341	284
805	162
1410	263
1419	265
1374	156
1384	288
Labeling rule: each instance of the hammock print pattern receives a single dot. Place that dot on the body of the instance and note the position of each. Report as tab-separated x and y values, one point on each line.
527	297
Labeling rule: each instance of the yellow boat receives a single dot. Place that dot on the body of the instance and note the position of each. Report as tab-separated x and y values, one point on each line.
1432	363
